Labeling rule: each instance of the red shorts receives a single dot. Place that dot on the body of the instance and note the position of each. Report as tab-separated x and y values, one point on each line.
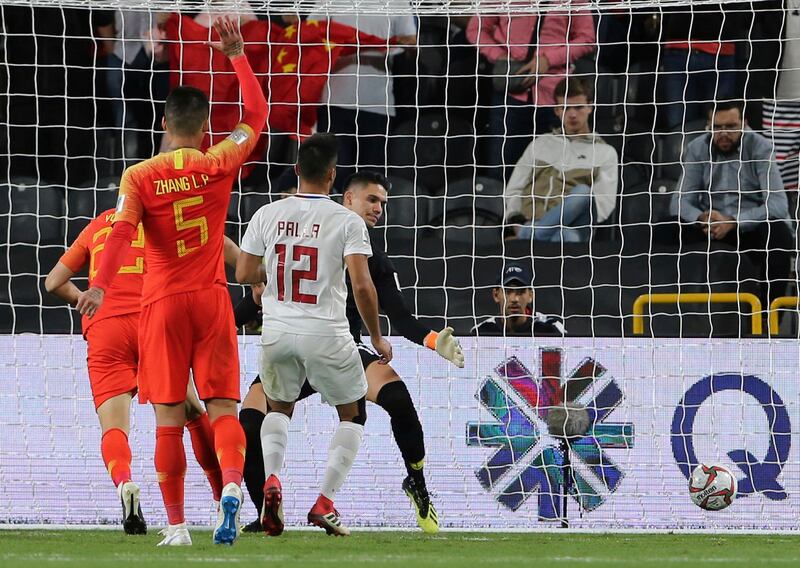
189	330
113	356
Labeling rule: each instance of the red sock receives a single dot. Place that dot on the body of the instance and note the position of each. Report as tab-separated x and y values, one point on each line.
116	455
203	445
171	468
230	443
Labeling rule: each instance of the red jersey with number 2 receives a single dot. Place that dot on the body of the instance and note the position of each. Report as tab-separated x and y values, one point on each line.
181	198
124	296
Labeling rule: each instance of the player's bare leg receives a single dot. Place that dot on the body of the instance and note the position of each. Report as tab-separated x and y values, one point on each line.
202	435
114	416
229	442
251	417
343	450
274	436
387	390
170	461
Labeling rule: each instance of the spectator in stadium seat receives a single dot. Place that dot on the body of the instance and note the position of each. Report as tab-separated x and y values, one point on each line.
731	191
359	98
540	49
565	180
137	79
698	64
514	297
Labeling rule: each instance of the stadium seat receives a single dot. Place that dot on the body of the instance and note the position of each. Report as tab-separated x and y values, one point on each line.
432	149
644	214
469	201
83	205
471	211
35	212
407	206
250	203
234	214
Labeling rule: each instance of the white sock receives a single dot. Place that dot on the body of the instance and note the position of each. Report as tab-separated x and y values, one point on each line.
274	435
344	447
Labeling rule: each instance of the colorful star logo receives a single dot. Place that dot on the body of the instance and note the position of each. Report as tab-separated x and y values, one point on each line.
528	460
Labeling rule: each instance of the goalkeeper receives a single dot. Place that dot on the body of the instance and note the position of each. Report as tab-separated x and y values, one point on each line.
365	194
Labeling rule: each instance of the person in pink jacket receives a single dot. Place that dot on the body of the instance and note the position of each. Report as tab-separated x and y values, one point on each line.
563	37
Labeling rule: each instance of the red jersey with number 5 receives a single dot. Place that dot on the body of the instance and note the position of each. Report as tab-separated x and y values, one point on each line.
125	294
304	239
181	198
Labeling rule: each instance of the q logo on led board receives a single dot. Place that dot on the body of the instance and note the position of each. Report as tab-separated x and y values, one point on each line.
760	476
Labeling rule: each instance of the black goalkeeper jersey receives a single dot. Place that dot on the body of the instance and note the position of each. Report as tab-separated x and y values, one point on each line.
390	300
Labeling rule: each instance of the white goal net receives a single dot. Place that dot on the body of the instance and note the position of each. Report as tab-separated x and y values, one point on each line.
624	170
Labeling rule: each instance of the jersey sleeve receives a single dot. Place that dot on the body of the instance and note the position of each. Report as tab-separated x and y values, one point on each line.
228	156
356	237
253	240
391	301
129	203
77	255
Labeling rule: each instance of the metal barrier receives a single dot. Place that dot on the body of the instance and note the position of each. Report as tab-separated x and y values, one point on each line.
777	304
698	298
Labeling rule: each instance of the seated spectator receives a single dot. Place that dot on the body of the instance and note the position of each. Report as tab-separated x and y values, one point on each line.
514	298
534	53
565	180
698	62
731	192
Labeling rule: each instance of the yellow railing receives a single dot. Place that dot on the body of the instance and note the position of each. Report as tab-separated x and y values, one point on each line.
697	298
777	304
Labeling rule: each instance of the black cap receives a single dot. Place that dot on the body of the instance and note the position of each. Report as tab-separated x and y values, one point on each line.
516	272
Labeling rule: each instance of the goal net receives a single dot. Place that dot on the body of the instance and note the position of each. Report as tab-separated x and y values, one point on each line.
624	170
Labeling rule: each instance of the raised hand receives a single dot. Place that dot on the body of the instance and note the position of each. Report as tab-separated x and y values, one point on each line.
231	44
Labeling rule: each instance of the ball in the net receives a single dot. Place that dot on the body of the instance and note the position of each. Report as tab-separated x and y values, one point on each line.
712	487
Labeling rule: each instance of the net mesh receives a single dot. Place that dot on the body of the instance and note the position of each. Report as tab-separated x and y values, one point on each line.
676	341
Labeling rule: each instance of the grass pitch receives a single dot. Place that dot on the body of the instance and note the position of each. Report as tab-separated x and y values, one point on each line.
91	549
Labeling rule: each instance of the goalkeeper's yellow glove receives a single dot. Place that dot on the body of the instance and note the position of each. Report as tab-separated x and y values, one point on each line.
446	346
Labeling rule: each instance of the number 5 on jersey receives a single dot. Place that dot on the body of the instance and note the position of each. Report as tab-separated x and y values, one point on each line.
182	224
298	254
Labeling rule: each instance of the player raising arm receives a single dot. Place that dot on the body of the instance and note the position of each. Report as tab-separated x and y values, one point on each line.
306	241
181	197
365	193
113	354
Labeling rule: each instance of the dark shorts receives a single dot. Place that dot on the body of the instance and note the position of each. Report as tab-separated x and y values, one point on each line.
368	357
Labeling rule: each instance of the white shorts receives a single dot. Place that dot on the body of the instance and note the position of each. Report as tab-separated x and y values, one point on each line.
331	365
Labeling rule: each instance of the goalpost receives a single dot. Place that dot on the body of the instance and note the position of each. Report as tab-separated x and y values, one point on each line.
681	351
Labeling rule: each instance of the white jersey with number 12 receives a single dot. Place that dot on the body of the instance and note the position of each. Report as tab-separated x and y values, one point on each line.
304	240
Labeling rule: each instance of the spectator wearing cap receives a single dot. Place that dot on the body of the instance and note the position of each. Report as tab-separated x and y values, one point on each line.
513	295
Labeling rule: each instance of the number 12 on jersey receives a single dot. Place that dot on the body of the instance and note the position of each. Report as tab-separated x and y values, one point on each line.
298	254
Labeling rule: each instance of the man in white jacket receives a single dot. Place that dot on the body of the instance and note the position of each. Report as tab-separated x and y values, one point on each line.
567	180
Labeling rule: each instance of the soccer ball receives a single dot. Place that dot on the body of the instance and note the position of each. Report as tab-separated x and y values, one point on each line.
712	487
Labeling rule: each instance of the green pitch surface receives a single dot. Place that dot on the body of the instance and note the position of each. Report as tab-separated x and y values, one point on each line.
31	549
